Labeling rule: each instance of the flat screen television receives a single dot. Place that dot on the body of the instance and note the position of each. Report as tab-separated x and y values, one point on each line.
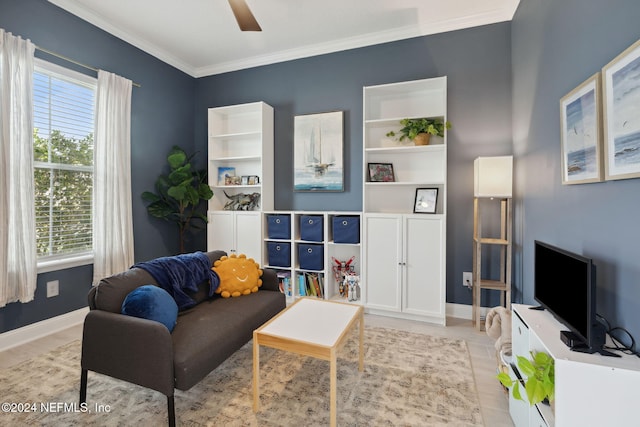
565	285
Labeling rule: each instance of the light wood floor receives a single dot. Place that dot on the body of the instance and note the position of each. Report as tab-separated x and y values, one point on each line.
493	401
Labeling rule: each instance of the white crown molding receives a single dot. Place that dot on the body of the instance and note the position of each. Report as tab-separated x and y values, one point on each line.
490	17
357	42
150	48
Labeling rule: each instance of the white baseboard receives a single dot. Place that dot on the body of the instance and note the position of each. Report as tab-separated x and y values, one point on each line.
464	311
40	329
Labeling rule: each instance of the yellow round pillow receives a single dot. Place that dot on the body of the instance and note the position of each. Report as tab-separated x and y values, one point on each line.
238	275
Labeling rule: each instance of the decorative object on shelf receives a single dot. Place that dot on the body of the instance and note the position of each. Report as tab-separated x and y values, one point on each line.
426	200
540	382
340	270
242	202
352	284
225	174
420	130
621	84
581	133
318	163
381	172
179	194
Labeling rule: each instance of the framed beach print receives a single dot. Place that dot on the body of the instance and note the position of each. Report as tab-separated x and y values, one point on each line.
317	152
621	87
381	172
426	200
581	133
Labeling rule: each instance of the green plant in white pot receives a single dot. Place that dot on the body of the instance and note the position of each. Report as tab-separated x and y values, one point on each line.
540	382
419	129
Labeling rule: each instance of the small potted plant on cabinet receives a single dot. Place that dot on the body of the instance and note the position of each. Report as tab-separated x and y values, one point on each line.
540	382
420	130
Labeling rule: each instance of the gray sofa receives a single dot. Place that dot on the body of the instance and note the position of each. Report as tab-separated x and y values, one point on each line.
144	352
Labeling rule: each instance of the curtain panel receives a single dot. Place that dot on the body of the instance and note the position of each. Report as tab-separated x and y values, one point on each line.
18	263
112	209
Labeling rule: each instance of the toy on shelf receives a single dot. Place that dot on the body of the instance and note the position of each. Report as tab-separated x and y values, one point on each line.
348	281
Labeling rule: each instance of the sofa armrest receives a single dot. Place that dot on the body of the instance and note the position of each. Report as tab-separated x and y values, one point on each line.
136	350
269	280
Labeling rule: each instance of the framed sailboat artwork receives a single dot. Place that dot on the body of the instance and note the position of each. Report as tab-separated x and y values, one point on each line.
318	152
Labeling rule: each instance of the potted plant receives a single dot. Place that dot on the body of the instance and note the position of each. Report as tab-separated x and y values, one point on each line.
178	194
540	382
420	130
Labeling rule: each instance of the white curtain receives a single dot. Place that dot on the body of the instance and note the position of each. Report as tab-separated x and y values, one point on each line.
18	264
112	217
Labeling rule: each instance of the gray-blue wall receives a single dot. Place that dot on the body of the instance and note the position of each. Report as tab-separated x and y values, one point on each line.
162	115
477	63
556	46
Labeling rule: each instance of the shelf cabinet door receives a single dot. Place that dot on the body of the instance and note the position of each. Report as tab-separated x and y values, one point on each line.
383	255
424	266
235	233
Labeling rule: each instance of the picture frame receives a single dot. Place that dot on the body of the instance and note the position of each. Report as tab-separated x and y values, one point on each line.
581	133
318	152
621	94
426	200
381	172
244	180
225	174
254	180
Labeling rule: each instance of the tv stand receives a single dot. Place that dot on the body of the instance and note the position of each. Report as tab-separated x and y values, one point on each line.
586	382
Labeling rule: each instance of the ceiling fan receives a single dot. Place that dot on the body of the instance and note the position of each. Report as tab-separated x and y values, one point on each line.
245	18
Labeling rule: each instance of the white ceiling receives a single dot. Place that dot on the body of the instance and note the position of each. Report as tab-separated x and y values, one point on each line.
201	37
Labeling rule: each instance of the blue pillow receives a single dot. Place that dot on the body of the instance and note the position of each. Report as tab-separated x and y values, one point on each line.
153	303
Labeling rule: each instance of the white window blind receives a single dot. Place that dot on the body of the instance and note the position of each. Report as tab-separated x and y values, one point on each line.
64	104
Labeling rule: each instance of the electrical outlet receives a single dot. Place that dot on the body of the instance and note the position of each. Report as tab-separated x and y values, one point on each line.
53	288
467	279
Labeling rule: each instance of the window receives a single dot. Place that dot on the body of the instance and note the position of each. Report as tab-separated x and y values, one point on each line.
63	105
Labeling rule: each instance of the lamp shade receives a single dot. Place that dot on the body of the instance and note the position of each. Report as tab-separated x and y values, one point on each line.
493	176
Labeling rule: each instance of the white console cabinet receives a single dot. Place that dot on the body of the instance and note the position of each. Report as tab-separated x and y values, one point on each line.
590	389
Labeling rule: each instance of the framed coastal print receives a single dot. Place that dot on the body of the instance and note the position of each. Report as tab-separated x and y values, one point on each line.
581	133
426	200
621	87
381	172
317	152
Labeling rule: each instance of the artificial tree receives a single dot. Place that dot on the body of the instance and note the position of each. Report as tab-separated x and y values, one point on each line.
179	194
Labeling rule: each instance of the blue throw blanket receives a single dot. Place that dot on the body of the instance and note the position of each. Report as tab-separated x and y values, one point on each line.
180	273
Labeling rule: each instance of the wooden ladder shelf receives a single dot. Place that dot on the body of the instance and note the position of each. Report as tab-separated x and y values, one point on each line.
503	284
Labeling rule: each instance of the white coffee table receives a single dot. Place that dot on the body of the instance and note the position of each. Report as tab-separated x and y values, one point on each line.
311	327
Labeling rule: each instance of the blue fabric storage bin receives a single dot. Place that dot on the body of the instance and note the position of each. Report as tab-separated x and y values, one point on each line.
279	254
346	229
311	228
311	256
279	226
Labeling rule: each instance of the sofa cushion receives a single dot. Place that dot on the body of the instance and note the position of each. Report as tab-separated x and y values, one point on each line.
152	303
209	333
238	275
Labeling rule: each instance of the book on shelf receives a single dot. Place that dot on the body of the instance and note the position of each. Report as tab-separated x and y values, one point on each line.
284	282
302	285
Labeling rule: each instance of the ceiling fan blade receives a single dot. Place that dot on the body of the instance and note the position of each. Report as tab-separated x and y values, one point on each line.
245	18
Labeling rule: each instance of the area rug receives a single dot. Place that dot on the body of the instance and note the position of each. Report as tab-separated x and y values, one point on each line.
409	379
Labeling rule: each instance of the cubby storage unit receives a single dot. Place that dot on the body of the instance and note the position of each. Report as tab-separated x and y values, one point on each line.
311	237
240	139
405	252
590	389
